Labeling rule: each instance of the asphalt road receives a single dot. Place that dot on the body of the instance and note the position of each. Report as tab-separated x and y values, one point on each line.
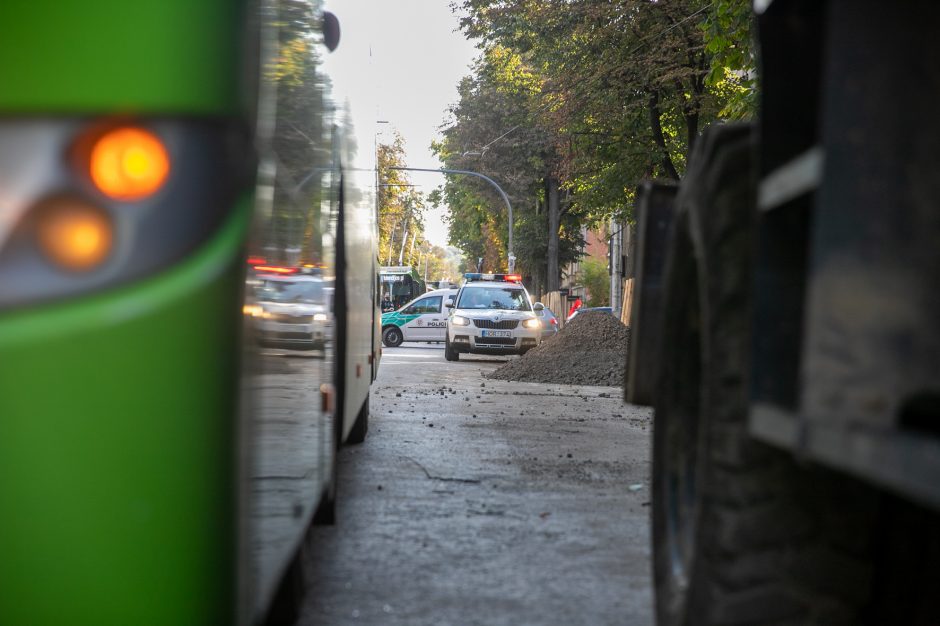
486	502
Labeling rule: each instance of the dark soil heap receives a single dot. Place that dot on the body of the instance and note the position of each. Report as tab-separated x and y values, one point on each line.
590	350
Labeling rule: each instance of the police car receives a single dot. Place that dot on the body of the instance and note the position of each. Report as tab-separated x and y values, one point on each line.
422	319
492	314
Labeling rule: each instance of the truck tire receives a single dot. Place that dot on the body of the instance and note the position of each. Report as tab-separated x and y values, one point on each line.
742	534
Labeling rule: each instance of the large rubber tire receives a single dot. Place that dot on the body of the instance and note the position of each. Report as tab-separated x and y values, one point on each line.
392	337
742	534
449	353
361	426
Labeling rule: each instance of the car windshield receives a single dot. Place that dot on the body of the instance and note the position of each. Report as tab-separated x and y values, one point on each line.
306	291
506	298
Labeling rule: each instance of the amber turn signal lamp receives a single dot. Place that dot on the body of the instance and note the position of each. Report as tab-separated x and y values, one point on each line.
129	163
75	235
327	397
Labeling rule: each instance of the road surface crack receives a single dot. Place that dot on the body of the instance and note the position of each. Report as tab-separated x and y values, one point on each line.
444	479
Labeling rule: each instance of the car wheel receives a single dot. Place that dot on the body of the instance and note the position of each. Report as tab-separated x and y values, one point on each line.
449	353
392	337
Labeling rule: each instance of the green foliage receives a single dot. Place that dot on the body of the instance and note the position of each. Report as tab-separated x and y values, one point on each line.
596	281
401	208
627	78
504	90
401	220
439	264
299	181
599	95
733	71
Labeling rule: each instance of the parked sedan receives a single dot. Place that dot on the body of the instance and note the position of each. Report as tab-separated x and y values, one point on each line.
598	309
549	322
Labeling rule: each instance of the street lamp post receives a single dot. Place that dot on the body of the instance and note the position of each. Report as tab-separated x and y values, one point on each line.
512	257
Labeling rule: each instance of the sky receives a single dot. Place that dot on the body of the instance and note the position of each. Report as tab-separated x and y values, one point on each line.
418	56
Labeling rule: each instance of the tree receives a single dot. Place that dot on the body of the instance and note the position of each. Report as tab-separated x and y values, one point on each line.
401	207
596	281
574	102
299	164
506	91
733	70
437	263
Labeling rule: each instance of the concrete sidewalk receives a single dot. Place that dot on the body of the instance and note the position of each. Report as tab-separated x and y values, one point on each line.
486	502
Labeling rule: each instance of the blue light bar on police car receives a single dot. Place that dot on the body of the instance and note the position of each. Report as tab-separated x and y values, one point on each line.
509	278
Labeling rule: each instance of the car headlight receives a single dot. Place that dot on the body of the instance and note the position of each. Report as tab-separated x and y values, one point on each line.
531	323
460	320
319	317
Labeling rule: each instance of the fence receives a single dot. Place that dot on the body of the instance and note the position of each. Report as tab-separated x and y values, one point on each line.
627	301
556	302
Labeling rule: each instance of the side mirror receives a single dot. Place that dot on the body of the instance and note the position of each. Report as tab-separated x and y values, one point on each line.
408	311
331	31
538	306
449	303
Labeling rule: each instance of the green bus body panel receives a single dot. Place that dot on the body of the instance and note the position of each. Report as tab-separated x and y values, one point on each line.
118	435
126	56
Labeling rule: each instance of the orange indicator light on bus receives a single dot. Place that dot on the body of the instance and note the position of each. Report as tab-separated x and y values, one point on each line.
76	236
129	163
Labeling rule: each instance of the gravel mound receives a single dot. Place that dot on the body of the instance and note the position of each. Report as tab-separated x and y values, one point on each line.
590	350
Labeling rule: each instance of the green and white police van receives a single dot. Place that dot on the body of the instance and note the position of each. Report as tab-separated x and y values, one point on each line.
422	319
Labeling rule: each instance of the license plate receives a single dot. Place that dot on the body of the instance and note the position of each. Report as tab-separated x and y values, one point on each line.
497	333
282	327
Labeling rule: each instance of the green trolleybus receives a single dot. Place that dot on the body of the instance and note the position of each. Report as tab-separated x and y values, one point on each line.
188	302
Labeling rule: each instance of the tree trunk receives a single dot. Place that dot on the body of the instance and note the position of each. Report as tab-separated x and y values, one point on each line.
656	126
554	222
691	126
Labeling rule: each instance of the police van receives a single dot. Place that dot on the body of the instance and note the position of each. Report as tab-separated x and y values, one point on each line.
422	319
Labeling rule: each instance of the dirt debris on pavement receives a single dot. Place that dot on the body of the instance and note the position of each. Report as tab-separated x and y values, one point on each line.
590	350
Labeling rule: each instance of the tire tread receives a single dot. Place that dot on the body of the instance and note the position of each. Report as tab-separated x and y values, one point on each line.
765	549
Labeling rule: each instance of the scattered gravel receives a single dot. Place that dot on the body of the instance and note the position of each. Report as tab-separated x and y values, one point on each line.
590	350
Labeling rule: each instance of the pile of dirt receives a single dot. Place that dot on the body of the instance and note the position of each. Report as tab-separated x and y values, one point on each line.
590	350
